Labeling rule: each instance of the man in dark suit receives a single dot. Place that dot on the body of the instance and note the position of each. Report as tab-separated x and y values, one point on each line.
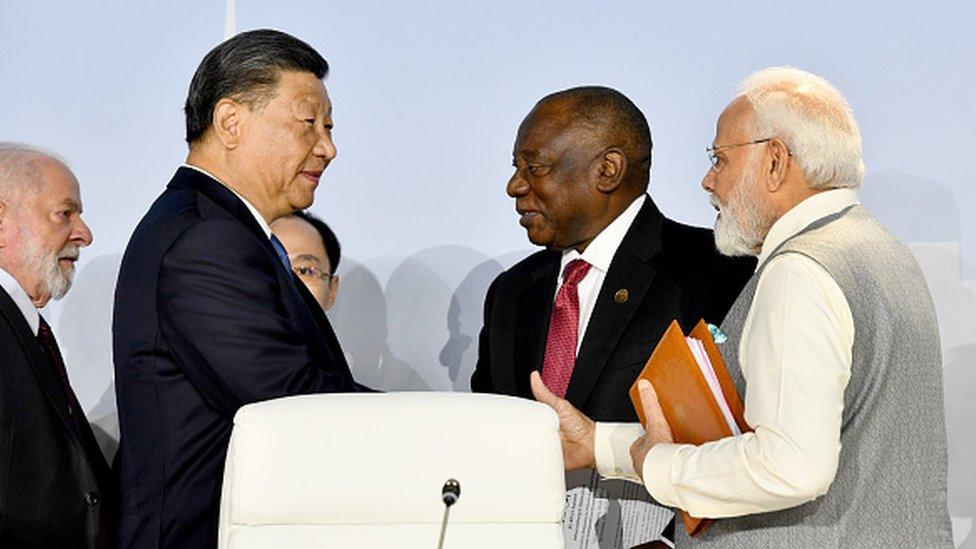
582	159
55	487
208	315
589	309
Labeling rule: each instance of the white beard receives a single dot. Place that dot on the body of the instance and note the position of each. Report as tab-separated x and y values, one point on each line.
56	280
742	225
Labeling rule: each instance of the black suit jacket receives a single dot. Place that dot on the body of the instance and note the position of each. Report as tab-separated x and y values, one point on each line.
670	271
207	319
55	486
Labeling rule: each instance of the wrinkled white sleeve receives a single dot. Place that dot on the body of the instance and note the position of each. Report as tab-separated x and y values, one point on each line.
795	353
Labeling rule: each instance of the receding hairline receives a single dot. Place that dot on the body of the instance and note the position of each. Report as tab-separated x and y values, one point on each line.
21	166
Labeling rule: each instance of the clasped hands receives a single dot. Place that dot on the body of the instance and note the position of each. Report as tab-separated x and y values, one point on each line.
577	431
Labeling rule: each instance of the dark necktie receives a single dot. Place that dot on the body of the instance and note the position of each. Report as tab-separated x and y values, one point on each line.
46	338
282	253
560	357
79	422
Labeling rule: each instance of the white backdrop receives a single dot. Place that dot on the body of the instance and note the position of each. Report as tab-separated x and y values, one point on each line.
428	96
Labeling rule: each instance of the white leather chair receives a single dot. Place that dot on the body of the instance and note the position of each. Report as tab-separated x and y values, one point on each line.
366	470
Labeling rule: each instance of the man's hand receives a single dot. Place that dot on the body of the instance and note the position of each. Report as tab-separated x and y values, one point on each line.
656	428
575	429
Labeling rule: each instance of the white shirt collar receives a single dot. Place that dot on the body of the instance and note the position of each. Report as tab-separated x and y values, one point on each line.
22	300
601	250
803	214
254	211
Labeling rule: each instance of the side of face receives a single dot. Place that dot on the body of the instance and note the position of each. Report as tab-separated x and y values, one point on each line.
307	252
286	145
736	188
42	233
554	184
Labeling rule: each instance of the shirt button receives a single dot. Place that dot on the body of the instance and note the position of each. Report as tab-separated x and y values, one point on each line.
91	499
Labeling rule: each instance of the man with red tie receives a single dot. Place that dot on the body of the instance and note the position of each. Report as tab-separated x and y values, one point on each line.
55	486
588	309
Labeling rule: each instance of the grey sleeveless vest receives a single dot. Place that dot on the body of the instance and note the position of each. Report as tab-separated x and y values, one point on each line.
890	487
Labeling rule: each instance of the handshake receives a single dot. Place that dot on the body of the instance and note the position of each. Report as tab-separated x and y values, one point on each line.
577	432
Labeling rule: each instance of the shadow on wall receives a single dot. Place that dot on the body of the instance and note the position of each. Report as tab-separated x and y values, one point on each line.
464	320
419	296
85	335
419	331
465	317
360	319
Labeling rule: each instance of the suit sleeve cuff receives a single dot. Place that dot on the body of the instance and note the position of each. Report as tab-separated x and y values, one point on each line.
611	448
657	469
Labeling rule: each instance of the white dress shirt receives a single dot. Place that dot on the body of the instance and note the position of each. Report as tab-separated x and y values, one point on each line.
795	353
254	211
21	300
599	254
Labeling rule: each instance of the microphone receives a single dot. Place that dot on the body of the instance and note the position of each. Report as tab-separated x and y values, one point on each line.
450	493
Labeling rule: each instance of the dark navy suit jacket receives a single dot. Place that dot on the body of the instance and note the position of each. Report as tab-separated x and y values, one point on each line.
207	319
670	271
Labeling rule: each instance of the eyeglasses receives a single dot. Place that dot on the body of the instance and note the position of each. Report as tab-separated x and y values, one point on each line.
313	273
716	161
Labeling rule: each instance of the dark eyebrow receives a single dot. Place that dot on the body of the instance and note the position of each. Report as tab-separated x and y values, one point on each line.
308	257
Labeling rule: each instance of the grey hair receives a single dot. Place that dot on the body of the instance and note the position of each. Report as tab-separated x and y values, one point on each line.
20	168
812	119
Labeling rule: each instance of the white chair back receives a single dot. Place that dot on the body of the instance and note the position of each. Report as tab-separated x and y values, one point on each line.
366	470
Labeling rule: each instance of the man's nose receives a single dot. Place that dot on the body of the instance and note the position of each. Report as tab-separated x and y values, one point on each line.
325	148
81	234
517	186
708	181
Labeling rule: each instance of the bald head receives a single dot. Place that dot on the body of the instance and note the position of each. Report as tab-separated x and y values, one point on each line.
21	168
613	119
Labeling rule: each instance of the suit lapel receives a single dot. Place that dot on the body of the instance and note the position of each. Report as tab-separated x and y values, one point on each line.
532	323
325	326
633	270
292	288
47	378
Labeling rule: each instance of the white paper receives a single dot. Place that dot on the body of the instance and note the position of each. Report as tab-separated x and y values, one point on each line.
707	370
609	513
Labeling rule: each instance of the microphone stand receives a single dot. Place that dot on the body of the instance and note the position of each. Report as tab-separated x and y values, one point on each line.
450	493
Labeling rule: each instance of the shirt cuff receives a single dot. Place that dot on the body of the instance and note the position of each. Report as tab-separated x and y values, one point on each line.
611	448
657	473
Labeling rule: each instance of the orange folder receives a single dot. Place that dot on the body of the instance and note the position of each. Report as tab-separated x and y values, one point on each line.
687	401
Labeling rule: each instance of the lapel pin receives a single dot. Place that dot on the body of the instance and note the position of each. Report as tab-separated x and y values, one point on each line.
621	296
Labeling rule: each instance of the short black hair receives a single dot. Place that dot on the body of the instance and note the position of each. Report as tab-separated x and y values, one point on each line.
332	248
245	68
617	118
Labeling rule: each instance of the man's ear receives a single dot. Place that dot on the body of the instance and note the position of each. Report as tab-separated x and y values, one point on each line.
3	218
228	122
778	160
613	166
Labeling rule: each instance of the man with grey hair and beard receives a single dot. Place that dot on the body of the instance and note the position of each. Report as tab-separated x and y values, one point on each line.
833	344
54	482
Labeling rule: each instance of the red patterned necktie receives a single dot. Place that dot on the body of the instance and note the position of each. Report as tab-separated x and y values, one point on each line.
557	366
